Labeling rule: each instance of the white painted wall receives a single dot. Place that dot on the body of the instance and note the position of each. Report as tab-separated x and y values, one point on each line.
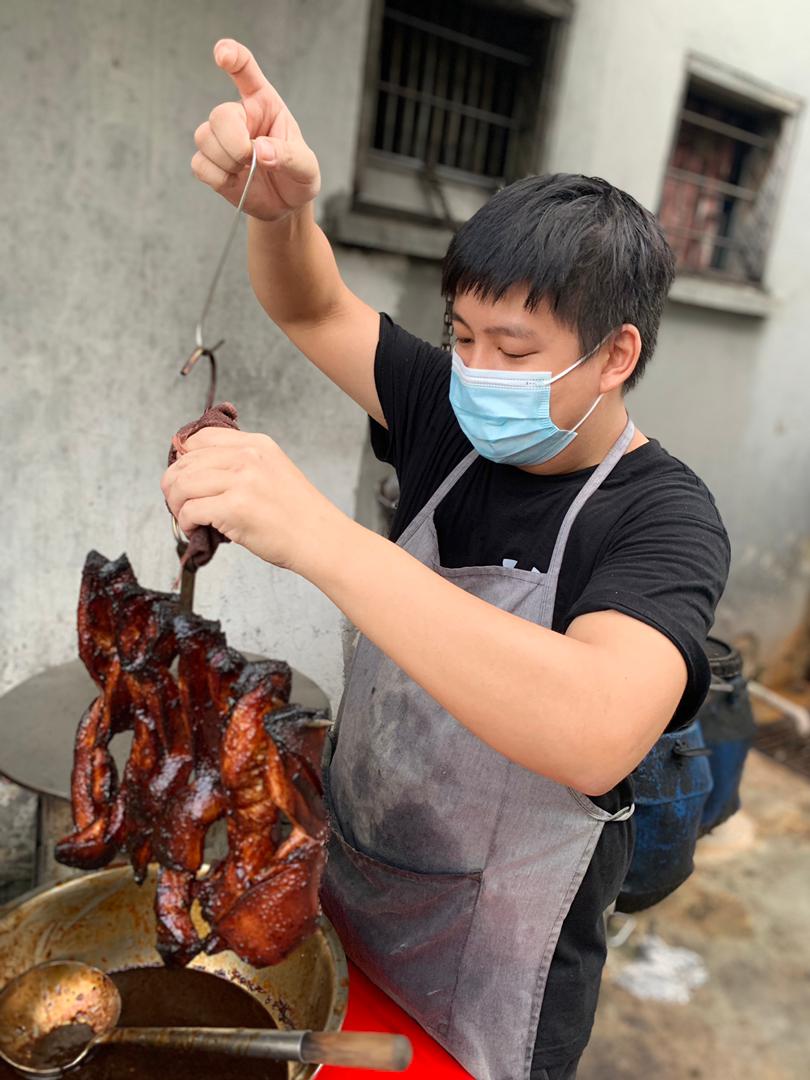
729	394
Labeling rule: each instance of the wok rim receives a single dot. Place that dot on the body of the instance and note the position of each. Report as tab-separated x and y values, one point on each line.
122	869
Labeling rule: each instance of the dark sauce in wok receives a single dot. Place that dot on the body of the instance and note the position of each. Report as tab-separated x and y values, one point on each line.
160	997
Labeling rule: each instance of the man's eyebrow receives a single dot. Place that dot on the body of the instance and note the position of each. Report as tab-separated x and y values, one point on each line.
510	329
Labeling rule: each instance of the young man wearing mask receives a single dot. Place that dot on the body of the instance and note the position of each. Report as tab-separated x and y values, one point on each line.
539	621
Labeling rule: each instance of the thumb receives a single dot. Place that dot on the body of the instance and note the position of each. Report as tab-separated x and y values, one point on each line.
292	158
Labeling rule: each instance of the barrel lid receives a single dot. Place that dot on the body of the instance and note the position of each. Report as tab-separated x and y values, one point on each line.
724	660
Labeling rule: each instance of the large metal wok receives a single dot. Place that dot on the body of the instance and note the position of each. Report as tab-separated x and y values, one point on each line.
105	919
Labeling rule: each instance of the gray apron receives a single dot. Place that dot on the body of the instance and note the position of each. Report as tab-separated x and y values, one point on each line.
450	867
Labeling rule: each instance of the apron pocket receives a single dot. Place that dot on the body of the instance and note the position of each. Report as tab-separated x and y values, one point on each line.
405	930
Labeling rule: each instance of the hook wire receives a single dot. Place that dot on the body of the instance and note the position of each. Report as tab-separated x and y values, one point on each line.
224	255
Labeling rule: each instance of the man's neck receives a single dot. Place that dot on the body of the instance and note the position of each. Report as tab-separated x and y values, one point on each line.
592	443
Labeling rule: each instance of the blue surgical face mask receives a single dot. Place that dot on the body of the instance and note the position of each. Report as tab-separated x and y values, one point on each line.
506	414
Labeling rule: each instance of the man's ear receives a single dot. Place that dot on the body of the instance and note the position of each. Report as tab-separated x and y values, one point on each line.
622	351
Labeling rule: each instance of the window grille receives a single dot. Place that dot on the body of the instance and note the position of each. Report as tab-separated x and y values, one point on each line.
457	88
719	195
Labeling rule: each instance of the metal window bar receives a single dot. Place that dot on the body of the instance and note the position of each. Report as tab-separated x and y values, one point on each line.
454	116
710	238
426	99
748	251
409	94
467	40
475	112
441	171
391	104
468	125
720	127
438	117
711	183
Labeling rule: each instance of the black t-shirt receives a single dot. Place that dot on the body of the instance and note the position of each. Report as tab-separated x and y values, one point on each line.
649	543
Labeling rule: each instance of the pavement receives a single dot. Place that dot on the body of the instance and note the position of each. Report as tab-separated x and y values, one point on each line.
745	913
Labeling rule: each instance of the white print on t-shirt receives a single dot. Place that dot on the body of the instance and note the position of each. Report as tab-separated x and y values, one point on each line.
510	564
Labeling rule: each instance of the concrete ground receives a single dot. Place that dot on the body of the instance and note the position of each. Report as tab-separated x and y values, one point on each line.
746	912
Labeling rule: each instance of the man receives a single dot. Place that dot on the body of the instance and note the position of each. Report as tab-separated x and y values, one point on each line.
539	621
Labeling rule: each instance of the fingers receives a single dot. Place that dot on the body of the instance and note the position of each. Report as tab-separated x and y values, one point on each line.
210	173
205	511
238	62
207	459
190	484
211	148
226	140
224	459
225	437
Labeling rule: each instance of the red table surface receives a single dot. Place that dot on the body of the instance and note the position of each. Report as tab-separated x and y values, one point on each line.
372	1010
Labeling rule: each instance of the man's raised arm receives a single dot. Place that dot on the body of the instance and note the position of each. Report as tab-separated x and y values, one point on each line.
292	267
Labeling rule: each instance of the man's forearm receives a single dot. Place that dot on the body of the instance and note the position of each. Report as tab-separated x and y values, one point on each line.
293	269
557	705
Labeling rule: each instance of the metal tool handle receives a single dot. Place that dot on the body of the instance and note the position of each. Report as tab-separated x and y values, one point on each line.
357	1049
361	1050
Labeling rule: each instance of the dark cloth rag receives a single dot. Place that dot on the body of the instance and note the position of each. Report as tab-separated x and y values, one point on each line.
204	540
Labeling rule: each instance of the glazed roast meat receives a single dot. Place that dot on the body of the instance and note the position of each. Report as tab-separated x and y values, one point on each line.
213	736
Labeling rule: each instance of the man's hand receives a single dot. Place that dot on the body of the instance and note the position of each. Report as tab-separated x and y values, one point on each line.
247	488
287	175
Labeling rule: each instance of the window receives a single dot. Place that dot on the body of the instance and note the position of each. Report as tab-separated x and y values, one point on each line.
724	176
454	104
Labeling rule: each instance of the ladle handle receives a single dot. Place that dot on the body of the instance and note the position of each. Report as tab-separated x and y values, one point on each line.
358	1049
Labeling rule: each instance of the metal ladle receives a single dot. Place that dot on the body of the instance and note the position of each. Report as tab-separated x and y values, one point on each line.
52	1015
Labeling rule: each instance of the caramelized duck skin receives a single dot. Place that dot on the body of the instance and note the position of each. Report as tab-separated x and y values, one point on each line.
94	780
177	939
207	671
262	900
273	917
252	814
217	739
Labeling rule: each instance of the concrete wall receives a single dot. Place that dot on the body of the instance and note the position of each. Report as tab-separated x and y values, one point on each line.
110	245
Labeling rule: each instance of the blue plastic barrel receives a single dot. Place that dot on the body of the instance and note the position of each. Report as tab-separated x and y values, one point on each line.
670	790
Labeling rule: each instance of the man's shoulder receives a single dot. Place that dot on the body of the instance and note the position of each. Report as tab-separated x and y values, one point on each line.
396	340
653	478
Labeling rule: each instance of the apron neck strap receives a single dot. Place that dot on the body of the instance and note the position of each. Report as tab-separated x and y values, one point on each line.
593	483
427	510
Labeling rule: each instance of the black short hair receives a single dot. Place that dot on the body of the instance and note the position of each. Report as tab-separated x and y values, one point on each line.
591	251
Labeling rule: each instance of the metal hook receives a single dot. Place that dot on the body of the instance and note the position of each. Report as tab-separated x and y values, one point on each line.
212	383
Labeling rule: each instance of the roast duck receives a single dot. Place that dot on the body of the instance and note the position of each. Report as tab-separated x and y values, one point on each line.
213	736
